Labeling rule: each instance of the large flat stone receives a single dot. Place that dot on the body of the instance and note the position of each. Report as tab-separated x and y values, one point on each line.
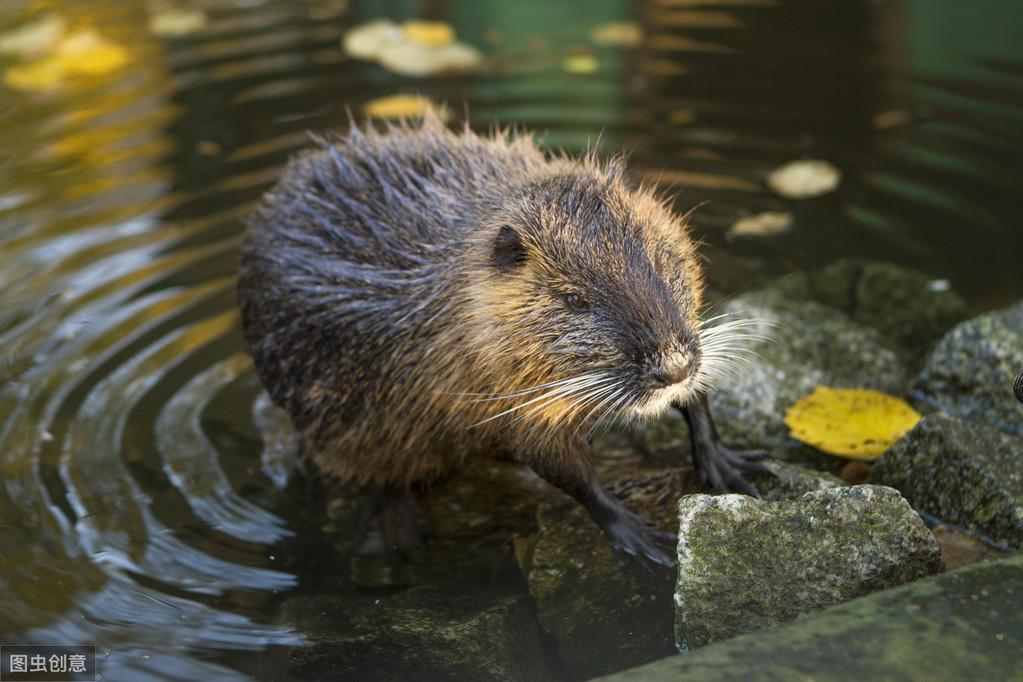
963	625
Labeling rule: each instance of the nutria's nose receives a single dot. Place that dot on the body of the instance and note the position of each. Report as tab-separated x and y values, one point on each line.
672	370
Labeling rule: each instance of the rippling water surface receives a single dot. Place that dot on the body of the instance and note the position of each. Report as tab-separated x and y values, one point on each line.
133	512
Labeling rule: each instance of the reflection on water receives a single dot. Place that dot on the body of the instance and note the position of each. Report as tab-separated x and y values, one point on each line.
132	511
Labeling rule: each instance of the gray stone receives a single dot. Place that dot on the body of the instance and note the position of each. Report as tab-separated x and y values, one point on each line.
967	474
745	564
788	481
910	309
602	617
971	371
964	625
809	344
423	633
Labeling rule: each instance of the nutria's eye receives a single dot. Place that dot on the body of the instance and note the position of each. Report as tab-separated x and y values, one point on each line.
577	303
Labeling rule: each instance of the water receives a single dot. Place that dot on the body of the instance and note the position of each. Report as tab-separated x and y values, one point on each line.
133	513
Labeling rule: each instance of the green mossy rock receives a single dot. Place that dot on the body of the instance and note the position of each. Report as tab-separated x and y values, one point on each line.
964	625
809	344
967	474
971	371
910	309
745	564
604	618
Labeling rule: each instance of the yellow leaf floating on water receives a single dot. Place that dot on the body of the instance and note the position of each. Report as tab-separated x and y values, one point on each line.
617	34
82	53
804	179
580	63
414	48
403	106
173	23
41	75
430	33
33	38
88	53
763	224
856	423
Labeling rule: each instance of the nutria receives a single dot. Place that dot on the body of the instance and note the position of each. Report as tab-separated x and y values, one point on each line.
415	297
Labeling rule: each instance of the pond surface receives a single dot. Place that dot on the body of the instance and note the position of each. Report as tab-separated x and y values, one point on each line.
133	511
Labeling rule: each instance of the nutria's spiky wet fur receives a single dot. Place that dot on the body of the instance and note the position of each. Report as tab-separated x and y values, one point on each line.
416	297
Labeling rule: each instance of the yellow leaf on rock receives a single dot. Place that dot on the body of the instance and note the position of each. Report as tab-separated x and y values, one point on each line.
856	423
430	33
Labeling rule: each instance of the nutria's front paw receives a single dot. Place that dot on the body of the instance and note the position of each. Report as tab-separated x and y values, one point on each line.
721	469
387	520
633	540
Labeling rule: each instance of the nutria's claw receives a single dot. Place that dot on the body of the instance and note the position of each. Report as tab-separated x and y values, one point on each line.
632	540
722	469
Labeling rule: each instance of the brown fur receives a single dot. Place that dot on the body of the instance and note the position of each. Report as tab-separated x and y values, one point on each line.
381	323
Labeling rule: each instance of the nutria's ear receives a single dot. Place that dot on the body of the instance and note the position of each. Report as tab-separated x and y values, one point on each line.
509	251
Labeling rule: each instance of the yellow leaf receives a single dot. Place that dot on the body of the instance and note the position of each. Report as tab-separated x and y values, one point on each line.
413	59
429	33
681	117
580	63
82	53
33	38
172	23
41	75
88	53
617	34
763	224
402	106
855	423
804	179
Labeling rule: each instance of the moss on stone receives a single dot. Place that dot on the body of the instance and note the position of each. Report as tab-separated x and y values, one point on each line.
967	474
964	625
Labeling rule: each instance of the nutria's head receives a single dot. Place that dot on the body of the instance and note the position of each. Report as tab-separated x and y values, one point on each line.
592	290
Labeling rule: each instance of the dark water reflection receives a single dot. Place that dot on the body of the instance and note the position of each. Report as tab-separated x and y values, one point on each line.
132	511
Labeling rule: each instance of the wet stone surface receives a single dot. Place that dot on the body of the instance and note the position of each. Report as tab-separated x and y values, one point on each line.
471	521
745	564
960	472
962	625
436	633
601	616
970	374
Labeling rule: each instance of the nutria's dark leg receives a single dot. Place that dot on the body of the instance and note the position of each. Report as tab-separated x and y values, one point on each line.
393	514
718	467
629	534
